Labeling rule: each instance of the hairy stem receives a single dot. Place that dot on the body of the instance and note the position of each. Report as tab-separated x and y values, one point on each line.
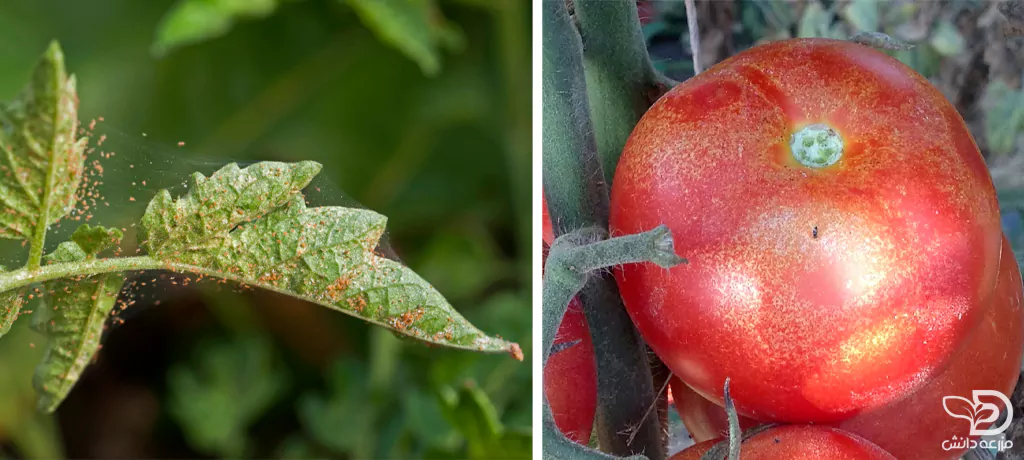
621	81
735	433
575	196
570	264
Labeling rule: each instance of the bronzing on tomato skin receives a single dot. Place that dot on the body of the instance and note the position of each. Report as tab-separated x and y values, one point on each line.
821	291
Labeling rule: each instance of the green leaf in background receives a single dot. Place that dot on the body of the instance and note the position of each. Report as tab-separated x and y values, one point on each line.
323	255
343	420
193	21
414	27
72	316
946	39
423	418
32	433
10	308
227	387
1004	116
815	21
41	157
471	412
863	15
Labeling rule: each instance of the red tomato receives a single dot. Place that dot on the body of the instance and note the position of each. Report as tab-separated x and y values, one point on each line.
570	376
990	360
823	285
696	451
647	11
704	420
795	442
548	232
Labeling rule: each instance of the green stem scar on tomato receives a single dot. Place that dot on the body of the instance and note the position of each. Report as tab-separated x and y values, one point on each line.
822	292
816	146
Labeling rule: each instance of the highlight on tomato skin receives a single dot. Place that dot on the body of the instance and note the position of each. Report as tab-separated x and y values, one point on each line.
841	228
990	360
798	442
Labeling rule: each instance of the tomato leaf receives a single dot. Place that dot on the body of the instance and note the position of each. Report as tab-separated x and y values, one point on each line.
85	243
218	396
10	307
252	226
72	317
321	415
863	15
41	158
470	410
194	21
947	40
414	27
93	240
1004	116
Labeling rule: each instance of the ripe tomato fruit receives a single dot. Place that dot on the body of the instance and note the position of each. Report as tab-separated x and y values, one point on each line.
990	360
570	376
841	228
798	442
548	232
704	420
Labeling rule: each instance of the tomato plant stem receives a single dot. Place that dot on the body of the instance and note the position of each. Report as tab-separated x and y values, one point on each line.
621	81
577	197
570	266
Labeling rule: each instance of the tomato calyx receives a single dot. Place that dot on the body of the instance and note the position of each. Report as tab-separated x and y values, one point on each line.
816	146
720	451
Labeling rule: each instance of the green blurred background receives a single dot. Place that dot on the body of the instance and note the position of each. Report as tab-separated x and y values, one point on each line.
418	109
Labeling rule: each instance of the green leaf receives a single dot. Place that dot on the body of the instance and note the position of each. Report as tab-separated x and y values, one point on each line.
93	240
229	386
10	307
414	27
86	242
72	316
946	39
217	204
471	412
815	21
41	158
863	15
194	21
1004	116
252	226
346	406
